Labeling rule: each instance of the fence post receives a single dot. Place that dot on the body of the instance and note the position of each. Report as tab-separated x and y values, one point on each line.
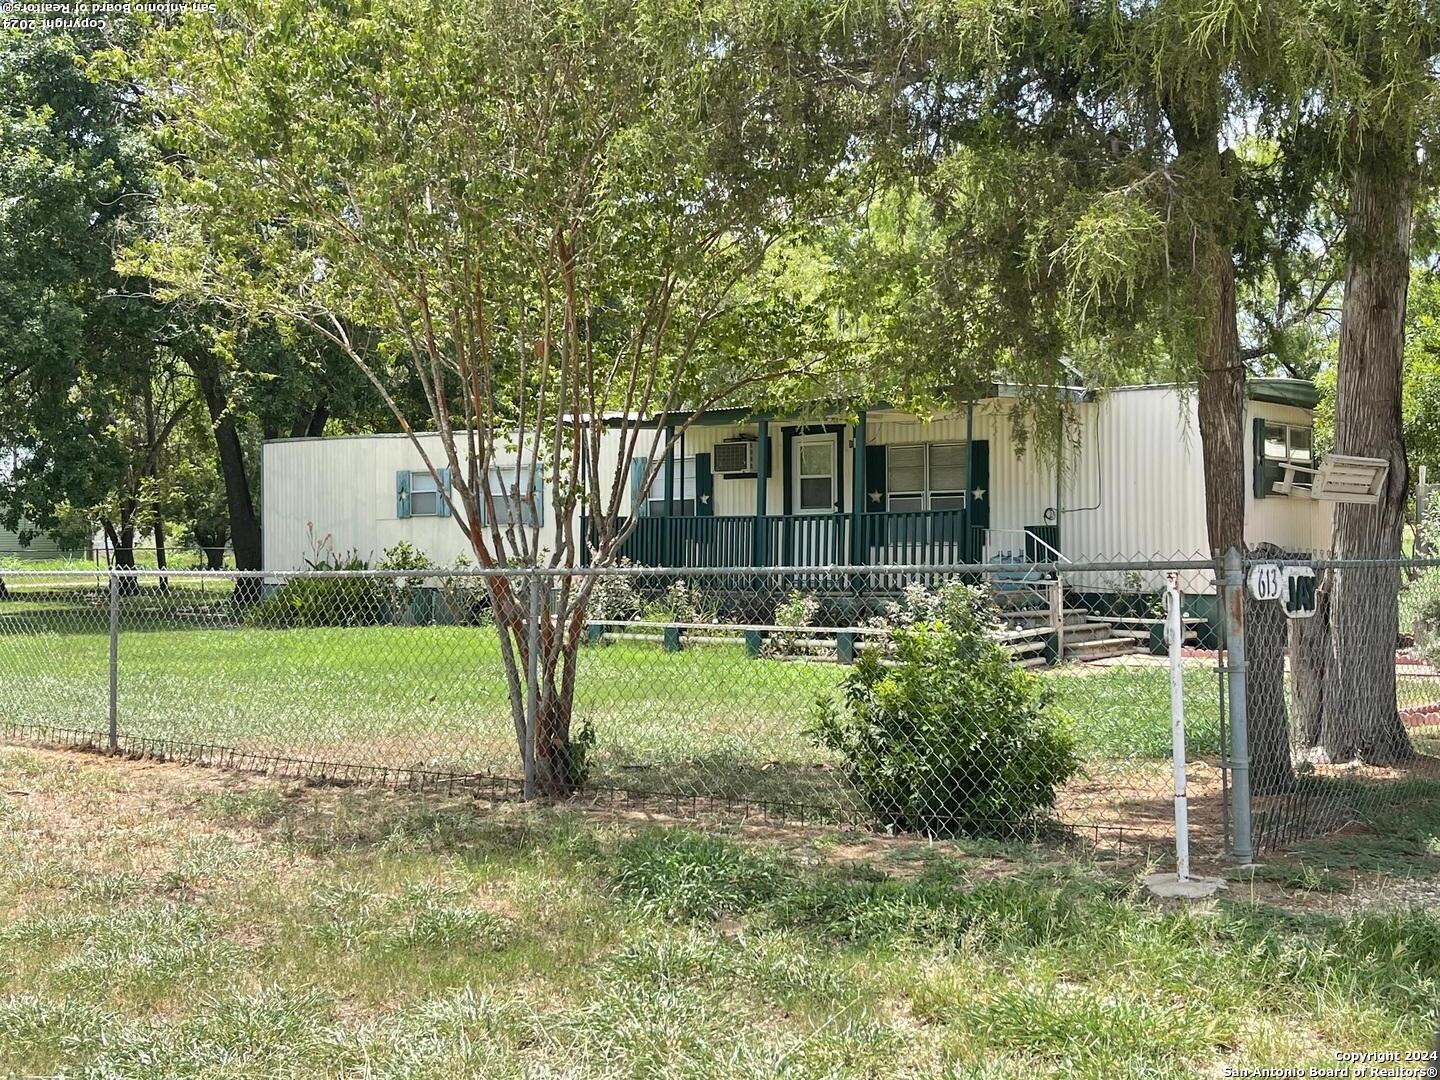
1176	632
114	725
532	682
1235	676
1057	617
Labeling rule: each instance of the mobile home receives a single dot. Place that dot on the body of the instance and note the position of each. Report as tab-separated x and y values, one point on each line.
879	487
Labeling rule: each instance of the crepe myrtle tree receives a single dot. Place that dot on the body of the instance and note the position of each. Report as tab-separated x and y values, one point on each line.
548	216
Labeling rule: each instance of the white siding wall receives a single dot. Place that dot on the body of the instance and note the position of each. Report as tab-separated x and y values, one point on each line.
1138	465
345	489
1133	483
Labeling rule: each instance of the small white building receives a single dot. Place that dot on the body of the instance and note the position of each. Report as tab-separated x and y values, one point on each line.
885	488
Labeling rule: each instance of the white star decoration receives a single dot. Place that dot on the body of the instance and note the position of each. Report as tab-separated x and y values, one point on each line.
705	499
875	497
979	494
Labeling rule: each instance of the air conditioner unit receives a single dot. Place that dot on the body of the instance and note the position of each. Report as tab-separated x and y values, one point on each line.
733	458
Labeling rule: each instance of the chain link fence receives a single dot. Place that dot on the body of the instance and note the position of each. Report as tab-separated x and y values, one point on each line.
981	700
1342	696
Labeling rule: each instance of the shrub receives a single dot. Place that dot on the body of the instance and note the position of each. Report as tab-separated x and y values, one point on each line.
950	736
613	596
797	610
401	592
323	601
682	602
962	607
467	598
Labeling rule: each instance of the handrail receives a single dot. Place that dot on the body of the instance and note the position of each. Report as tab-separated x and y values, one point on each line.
1059	556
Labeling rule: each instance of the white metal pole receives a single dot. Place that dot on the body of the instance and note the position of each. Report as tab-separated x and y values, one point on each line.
1175	631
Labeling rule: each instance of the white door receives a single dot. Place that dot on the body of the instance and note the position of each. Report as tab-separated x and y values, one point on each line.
814	531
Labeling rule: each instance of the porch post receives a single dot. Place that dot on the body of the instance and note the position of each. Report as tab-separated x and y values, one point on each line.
762	476
670	470
857	495
969	538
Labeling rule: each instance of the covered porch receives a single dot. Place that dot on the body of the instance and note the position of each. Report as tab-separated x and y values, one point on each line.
881	488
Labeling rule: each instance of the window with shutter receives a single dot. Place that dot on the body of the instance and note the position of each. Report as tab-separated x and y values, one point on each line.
905	477
926	476
946	481
684	490
1278	445
424	495
510	491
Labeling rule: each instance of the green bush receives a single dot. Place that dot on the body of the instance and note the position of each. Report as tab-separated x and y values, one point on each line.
950	736
401	592
467	599
682	602
324	601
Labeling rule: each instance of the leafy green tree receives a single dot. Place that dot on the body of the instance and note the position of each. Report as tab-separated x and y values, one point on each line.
1376	62
1095	214
536	214
78	339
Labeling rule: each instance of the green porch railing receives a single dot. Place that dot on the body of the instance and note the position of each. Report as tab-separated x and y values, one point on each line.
914	537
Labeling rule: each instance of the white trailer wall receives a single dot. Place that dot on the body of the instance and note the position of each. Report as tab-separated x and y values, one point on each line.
341	491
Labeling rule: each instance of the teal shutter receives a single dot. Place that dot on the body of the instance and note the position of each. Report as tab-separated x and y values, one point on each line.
639	506
444	508
979	497
540	500
402	493
704	487
874	480
1267	473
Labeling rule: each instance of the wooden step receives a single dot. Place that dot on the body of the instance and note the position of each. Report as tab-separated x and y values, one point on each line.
1095	648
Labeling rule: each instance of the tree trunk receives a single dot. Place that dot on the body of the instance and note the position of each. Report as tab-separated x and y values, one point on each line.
1221	395
1360	718
310	422
1221	408
161	561
122	548
244	523
1309	656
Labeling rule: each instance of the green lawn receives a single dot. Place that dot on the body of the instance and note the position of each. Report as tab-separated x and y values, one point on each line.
161	922
708	720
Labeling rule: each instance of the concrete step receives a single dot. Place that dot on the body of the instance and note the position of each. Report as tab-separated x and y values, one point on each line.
1089	631
1097	648
1041	614
1032	647
1144	635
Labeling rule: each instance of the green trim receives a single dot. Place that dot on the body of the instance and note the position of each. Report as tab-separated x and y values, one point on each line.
1300	393
857	493
704	487
762	487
